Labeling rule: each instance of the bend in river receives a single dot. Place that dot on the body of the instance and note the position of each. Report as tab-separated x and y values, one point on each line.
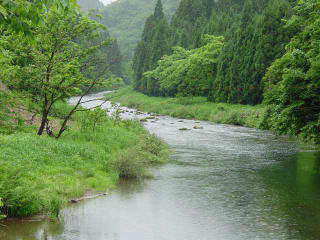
224	182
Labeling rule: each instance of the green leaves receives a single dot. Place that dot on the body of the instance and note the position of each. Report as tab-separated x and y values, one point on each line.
65	54
3	12
292	83
153	45
1	206
23	15
125	20
187	72
255	38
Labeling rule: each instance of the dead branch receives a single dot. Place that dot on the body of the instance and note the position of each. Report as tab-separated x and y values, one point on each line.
87	197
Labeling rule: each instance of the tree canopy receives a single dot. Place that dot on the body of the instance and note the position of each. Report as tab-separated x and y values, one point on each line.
65	55
269	55
153	45
292	83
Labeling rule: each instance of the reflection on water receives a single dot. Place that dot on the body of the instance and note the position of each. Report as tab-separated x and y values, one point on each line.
224	182
297	194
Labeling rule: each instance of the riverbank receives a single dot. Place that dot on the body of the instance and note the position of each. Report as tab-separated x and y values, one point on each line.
198	108
39	175
193	108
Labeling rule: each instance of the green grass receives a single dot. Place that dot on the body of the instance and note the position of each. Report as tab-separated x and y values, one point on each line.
39	175
193	108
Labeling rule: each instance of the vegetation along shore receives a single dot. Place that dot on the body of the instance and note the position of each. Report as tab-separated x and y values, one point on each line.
253	63
51	152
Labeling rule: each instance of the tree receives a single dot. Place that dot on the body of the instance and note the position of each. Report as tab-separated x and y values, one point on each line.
63	59
254	41
21	15
188	22
292	83
125	20
254	36
187	72
153	45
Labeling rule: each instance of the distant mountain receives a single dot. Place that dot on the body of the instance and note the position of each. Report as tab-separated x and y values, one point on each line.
90	4
114	58
125	20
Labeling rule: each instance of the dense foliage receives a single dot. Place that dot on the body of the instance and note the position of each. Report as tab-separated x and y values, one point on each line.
254	41
21	15
186	72
188	21
65	55
275	40
125	20
254	36
153	45
292	83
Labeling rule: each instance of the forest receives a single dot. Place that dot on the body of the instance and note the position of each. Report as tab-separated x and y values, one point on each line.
239	52
125	20
200	117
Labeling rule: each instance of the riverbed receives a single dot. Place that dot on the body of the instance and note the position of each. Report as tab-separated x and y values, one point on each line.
223	183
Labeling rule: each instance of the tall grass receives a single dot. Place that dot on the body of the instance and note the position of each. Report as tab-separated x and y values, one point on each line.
40	174
193	108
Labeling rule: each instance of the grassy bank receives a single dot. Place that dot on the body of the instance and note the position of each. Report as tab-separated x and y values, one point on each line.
39	175
193	108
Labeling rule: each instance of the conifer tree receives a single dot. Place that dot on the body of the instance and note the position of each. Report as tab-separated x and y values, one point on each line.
254	36
188	22
256	40
153	45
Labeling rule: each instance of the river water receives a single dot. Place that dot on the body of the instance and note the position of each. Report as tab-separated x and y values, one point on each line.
223	183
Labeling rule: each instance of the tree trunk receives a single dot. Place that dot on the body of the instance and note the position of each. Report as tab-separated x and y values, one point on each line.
44	120
64	124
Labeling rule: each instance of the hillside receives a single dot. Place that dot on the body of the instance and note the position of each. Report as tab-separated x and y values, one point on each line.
240	52
125	20
114	58
90	4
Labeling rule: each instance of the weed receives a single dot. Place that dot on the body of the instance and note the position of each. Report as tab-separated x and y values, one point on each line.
40	174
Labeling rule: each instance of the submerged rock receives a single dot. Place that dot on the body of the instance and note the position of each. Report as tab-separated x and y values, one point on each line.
150	117
184	129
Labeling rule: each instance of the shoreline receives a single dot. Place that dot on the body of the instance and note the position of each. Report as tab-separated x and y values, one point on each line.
198	108
50	173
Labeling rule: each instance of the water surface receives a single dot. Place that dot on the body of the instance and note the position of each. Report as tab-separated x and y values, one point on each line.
224	182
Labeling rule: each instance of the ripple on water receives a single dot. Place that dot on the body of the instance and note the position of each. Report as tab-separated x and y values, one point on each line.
224	182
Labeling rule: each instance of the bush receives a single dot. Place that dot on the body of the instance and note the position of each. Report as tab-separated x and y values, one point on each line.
133	162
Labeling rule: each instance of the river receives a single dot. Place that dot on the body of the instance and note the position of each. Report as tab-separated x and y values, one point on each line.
223	183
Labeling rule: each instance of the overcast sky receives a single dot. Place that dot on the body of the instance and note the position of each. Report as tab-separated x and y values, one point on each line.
107	1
